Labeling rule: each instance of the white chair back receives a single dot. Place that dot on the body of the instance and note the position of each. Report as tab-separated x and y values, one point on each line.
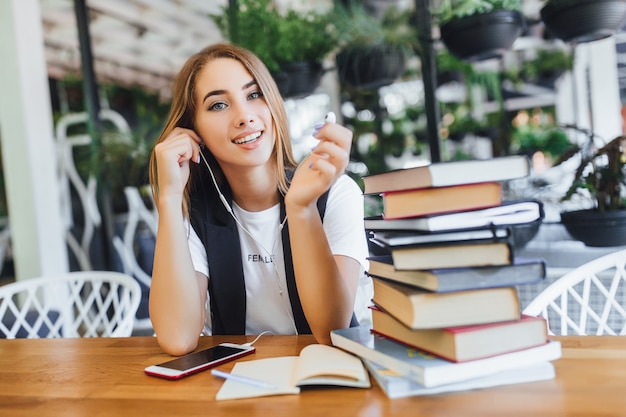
588	300
75	304
126	245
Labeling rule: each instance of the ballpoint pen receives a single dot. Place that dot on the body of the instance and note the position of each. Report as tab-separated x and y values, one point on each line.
244	379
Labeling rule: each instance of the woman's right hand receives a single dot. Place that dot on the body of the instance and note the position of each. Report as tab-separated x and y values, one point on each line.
172	156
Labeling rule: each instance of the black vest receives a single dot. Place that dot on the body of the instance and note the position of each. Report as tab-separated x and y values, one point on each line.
218	232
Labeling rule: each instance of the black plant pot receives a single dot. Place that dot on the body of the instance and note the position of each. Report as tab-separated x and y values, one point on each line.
596	229
304	78
581	21
370	68
281	78
482	36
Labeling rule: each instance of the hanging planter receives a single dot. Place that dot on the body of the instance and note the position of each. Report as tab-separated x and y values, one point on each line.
372	67
292	44
483	35
372	52
304	78
281	78
581	21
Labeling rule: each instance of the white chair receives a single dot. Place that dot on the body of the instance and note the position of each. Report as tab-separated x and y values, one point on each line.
587	300
75	304
85	190
127	246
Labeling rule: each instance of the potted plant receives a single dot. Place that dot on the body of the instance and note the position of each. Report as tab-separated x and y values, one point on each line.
547	66
479	29
581	21
600	177
293	45
550	140
305	40
373	51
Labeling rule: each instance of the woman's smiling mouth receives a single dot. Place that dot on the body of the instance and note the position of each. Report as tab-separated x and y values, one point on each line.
247	139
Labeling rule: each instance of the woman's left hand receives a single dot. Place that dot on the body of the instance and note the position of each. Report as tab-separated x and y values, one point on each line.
317	172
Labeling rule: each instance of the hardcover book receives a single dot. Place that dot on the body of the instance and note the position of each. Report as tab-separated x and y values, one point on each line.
394	385
521	271
507	213
428	201
429	370
420	309
465	343
453	255
443	174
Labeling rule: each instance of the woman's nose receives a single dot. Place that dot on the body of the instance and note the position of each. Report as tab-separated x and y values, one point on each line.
244	115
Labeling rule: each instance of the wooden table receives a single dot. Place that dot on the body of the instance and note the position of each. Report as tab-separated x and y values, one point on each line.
104	377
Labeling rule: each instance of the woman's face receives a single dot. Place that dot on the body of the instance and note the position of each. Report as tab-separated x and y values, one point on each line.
232	116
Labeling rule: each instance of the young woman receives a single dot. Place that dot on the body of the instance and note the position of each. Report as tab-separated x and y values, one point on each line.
249	241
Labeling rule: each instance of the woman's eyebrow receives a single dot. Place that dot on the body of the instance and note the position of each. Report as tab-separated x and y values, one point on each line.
213	93
220	92
248	84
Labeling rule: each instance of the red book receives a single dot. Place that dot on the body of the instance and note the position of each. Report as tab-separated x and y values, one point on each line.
465	343
429	201
444	174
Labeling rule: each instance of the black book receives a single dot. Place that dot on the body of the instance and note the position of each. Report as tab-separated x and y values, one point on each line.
521	271
404	238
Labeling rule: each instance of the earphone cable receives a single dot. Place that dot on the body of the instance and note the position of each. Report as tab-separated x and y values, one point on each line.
280	228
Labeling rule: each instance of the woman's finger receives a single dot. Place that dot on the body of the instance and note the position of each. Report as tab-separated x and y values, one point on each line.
336	134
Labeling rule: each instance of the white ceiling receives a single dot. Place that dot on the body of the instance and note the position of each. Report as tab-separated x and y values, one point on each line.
134	42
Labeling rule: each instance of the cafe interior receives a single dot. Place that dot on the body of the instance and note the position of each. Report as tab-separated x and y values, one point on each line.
85	87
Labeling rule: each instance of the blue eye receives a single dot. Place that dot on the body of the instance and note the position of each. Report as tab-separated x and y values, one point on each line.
217	106
255	94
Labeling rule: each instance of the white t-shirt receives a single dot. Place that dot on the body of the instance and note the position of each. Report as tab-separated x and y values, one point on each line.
263	263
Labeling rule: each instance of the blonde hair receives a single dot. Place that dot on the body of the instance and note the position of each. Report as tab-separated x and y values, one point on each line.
183	109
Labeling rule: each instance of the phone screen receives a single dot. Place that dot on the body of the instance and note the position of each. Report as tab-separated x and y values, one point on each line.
200	358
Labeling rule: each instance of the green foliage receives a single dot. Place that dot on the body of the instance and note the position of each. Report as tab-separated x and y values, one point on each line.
456	9
305	37
601	173
448	62
357	28
274	37
254	26
549	140
380	136
458	121
547	61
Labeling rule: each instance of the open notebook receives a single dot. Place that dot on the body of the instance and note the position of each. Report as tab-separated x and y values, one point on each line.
316	365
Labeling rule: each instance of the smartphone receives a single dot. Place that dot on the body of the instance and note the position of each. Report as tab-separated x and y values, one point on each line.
199	361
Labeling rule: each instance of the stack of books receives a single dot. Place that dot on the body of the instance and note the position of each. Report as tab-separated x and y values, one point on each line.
446	314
